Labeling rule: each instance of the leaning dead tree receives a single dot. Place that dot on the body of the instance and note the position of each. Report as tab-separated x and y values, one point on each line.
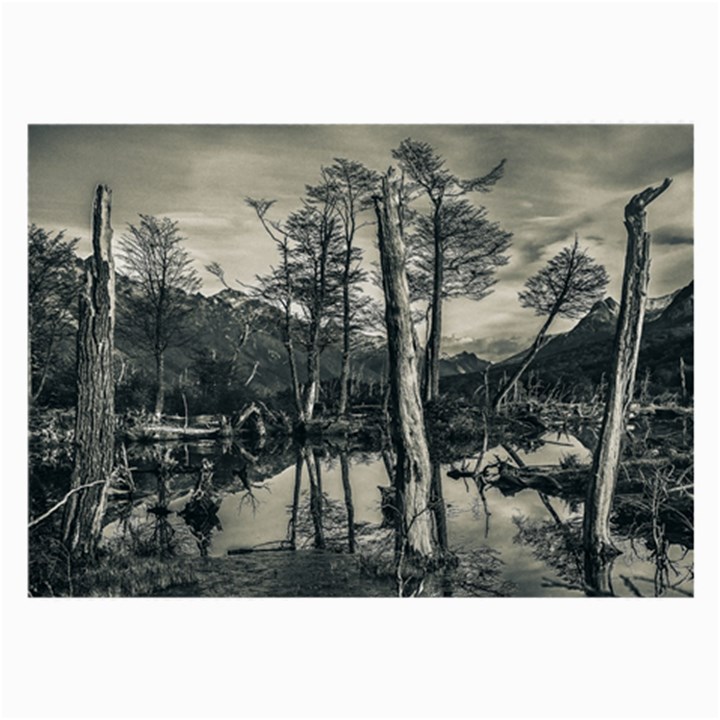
412	476
596	523
95	411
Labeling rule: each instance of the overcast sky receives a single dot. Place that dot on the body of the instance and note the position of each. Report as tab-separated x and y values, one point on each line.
559	179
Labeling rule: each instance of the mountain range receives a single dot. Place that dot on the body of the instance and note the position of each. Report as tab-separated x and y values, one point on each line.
583	355
212	352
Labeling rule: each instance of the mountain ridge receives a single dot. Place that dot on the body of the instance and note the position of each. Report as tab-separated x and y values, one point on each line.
215	360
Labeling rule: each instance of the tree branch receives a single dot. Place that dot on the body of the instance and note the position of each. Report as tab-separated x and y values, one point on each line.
640	201
57	506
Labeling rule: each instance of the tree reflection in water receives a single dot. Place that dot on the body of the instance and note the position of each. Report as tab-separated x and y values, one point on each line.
347	493
331	490
660	529
200	511
292	525
163	532
322	522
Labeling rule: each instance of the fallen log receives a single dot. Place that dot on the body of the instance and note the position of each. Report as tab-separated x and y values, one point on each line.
546	478
553	479
258	548
162	433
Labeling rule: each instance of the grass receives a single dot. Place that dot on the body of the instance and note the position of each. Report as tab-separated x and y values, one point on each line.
127	575
131	566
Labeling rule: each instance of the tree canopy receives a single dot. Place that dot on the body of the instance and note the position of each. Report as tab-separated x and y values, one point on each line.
473	249
152	255
569	284
52	295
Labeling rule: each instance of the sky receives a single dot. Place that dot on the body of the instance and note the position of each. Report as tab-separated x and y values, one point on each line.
559	180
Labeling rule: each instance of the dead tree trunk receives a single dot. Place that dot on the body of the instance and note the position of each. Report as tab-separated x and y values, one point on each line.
412	468
313	381
508	385
347	492
347	311
431	372
596	523
683	382
438	506
95	411
159	383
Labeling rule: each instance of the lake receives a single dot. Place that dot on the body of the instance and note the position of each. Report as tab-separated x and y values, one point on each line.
281	530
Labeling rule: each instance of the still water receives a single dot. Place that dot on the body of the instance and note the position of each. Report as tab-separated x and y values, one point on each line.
519	543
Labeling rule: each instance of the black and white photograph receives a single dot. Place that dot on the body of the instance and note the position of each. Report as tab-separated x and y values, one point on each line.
352	362
361	361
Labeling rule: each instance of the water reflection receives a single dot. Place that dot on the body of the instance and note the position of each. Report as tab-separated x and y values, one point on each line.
200	511
503	535
347	492
163	531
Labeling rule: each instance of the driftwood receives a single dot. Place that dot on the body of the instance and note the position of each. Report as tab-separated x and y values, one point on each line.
664	412
279	547
162	433
248	413
569	481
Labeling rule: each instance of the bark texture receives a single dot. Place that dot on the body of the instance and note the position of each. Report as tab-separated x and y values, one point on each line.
432	364
413	474
95	412
606	461
345	364
159	383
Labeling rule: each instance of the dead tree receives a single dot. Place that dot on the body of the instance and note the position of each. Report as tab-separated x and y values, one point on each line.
413	474
596	523
95	411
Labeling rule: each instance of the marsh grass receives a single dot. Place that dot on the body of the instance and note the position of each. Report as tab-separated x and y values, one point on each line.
124	574
128	566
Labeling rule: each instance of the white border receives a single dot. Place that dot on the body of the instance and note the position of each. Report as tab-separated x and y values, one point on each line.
408	62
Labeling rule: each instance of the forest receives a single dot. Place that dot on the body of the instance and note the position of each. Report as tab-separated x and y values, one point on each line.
307	434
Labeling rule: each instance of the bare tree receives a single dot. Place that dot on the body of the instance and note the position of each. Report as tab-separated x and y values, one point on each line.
318	261
427	171
95	413
278	288
352	185
52	291
568	286
412	471
307	284
596	519
153	256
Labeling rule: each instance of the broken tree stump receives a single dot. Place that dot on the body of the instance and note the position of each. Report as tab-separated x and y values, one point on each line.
596	522
95	409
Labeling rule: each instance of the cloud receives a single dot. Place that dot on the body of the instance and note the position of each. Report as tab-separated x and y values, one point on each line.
198	220
487	349
559	179
673	235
